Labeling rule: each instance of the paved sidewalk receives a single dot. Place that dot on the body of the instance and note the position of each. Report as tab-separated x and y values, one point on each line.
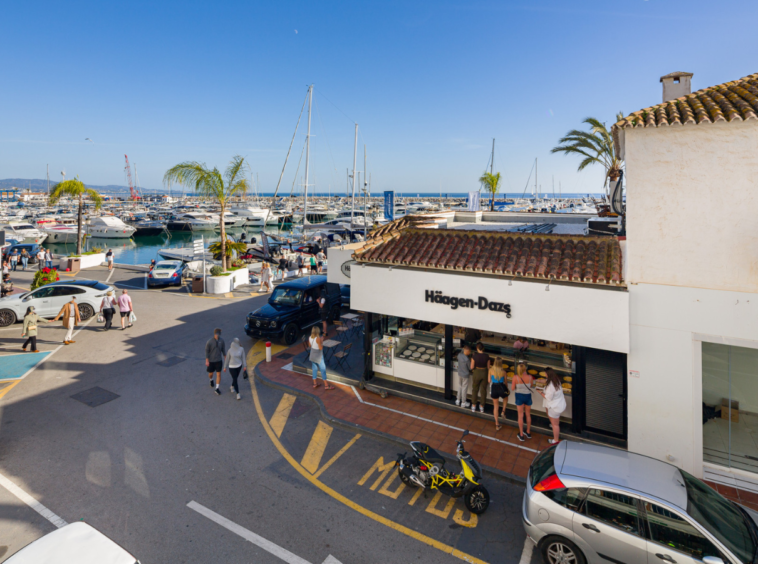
499	451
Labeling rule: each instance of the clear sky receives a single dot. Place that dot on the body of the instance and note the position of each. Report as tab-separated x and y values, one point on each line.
429	83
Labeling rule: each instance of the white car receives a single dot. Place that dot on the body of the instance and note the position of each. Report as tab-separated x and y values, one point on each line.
77	543
50	298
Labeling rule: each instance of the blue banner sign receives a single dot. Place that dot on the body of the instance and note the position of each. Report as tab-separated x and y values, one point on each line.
389	205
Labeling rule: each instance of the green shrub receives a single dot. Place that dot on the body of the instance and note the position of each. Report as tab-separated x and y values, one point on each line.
216	271
95	251
44	276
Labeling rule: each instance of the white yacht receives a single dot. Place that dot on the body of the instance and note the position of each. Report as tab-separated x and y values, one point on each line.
109	227
193	221
233	220
253	217
24	232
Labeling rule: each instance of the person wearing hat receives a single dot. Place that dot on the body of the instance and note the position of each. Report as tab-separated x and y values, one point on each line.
70	314
31	319
108	308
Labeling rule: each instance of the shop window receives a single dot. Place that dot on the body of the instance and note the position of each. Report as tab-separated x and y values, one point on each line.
730	406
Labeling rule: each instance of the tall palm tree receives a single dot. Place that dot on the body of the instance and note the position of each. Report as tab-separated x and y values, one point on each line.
491	183
76	189
211	184
595	146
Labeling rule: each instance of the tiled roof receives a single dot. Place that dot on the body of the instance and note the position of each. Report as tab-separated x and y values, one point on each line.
588	260
728	102
394	227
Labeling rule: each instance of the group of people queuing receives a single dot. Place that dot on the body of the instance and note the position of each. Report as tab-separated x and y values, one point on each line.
477	370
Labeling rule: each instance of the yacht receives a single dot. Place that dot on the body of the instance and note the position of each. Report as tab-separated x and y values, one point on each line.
253	217
149	227
232	220
24	232
109	227
192	221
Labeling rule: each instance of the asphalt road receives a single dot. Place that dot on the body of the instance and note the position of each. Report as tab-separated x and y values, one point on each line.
130	466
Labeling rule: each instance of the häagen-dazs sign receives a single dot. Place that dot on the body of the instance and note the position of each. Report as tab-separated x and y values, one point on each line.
345	268
437	297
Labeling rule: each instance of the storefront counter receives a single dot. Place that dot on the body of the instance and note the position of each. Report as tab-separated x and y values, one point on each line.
394	359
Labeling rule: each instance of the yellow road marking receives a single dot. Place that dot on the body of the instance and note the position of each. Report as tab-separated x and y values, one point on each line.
417	495
447	549
381	467
282	413
316	447
8	388
471	523
432	507
385	489
334	458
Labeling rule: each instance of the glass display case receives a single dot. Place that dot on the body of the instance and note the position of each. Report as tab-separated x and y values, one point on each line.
422	347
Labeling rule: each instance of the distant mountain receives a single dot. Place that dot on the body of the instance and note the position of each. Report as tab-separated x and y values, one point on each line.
37	185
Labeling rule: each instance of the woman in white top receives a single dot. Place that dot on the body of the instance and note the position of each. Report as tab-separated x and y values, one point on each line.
317	358
108	309
235	361
265	277
555	403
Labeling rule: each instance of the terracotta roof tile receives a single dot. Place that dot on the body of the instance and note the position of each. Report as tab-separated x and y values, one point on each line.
728	102
586	260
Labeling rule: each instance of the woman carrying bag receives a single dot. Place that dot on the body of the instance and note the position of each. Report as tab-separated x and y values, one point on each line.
498	388
555	403
108	309
31	319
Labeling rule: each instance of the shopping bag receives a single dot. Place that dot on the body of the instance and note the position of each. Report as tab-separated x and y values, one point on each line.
100	318
132	317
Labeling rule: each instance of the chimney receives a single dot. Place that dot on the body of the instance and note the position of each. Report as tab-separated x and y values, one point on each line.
676	85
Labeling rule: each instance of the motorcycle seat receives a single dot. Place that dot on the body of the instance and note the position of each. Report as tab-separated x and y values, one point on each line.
429	454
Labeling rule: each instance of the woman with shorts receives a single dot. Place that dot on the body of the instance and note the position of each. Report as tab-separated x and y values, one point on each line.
522	383
555	403
498	388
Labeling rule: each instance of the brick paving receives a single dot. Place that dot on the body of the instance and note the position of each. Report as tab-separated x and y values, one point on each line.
499	450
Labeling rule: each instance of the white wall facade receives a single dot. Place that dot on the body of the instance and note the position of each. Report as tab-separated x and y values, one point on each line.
583	316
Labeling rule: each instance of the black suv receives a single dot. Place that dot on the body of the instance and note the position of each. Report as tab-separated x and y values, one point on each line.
292	307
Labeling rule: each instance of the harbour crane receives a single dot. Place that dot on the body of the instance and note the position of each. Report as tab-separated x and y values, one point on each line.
128	169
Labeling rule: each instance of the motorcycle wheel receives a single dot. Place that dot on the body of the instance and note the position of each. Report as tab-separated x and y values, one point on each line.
477	500
405	479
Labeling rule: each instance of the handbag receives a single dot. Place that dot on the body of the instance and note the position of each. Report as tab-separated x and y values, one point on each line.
31	328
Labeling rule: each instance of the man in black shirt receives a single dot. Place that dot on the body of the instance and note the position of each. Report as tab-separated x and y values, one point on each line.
215	351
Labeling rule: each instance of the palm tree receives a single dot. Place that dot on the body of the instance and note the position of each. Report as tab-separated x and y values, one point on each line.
595	146
75	189
211	184
491	183
231	247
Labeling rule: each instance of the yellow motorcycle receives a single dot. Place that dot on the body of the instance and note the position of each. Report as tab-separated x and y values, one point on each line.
426	469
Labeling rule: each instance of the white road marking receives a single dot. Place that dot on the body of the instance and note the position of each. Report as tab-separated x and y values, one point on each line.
120	285
31	502
526	554
109	276
257	540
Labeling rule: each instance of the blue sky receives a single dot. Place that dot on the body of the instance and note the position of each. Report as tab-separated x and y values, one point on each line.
429	83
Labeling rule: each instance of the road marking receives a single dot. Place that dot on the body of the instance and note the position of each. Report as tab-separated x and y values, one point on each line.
8	388
381	467
31	502
282	413
334	458
257	540
432	507
447	549
385	489
317	446
526	554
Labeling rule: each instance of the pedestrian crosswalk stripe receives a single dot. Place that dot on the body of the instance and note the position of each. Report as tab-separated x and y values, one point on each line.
282	413
317	446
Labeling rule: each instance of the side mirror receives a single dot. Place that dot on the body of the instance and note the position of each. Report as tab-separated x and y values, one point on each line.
712	560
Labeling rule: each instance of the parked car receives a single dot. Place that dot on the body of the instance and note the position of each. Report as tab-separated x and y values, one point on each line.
76	543
166	273
292	307
31	248
592	504
50	298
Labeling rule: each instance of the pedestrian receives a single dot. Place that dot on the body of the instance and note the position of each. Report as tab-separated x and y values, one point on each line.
126	309
152	264
24	257
265	277
108	309
480	364
323	310
215	351
283	266
31	319
7	286
299	262
555	403
498	388
109	259
6	267
464	375
317	358
70	314
48	259
472	337
321	260
314	265
522	387
14	259
521	345
235	361
41	258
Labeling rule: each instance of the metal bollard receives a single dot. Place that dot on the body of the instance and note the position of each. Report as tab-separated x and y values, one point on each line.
268	351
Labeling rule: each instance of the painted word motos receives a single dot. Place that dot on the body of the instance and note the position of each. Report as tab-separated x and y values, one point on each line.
437	297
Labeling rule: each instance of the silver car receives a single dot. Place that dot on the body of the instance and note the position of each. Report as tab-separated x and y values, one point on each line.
592	504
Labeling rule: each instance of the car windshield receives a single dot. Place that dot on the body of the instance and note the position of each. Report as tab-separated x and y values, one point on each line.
286	296
720	517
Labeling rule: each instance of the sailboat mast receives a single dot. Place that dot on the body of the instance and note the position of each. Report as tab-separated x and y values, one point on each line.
355	163
48	180
307	158
535	177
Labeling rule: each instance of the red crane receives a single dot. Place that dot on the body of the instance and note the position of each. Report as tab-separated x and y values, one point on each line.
128	170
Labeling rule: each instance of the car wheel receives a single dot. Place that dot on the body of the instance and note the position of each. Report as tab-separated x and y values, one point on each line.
558	550
86	311
290	334
477	500
334	315
7	317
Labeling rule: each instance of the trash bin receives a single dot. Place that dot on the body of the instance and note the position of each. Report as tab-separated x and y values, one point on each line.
197	285
74	264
